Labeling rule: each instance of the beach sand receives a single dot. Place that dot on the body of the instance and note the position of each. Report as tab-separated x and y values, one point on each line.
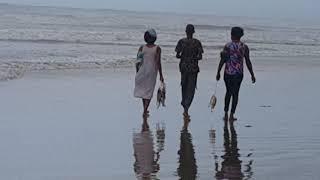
80	124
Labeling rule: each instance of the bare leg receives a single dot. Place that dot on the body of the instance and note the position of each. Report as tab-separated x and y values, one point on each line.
186	115
145	125
189	84
184	83
225	117
235	96
186	112
232	118
228	83
186	123
146	106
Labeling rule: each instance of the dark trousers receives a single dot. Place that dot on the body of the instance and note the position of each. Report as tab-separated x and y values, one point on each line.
233	83
188	86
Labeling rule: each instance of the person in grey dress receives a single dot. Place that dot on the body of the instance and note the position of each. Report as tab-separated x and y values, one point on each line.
147	70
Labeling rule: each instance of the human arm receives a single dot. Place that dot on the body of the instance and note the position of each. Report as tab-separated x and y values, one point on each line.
139	57
221	63
179	49
140	54
223	56
249	64
200	51
159	63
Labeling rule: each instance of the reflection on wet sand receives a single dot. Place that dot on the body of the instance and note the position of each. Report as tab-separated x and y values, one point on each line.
187	169
146	164
212	138
161	135
231	166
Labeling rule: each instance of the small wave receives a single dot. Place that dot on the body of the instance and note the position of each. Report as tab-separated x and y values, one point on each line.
97	26
207	46
53	41
14	70
291	43
216	27
11	71
211	27
264	49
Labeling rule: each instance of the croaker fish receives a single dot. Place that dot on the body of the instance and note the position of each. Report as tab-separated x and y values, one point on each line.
161	95
213	102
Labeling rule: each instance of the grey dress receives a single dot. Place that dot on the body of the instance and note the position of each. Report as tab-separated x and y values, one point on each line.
146	77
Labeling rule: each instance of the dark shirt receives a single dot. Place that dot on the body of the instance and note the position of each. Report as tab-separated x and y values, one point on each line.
191	52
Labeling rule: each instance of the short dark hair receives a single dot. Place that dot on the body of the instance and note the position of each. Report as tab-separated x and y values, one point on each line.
149	39
237	32
190	29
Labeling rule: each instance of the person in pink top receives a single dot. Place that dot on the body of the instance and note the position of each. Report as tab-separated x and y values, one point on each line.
233	56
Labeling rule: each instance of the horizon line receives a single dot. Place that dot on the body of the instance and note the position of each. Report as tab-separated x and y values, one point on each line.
141	11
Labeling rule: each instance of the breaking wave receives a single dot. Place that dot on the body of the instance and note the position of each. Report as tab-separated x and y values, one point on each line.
11	71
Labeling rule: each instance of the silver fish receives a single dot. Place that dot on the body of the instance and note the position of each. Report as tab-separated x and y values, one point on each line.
213	102
161	96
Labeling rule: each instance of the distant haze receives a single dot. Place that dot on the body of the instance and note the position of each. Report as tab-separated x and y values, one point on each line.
298	9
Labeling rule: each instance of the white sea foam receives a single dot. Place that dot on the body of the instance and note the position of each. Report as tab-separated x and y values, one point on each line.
48	38
11	71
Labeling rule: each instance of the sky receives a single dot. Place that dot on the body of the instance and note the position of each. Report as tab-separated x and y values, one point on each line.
298	9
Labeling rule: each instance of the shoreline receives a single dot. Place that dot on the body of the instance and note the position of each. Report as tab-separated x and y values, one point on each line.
79	124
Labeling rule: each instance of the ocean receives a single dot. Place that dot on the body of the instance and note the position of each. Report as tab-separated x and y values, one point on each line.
72	124
46	38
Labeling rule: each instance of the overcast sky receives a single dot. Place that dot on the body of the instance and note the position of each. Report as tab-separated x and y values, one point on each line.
301	9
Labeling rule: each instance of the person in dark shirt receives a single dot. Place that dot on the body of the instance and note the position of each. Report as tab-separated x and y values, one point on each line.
232	56
189	50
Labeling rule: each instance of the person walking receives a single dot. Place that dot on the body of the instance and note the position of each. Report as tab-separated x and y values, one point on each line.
189	50
147	70
232	56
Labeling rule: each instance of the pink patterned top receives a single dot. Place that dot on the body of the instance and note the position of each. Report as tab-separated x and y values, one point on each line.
234	62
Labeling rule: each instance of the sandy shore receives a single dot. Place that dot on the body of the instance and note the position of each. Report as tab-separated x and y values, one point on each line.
79	124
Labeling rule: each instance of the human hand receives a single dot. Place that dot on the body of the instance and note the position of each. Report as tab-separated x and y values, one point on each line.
161	79
218	77
253	79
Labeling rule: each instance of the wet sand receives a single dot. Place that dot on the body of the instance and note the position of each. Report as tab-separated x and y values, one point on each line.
85	124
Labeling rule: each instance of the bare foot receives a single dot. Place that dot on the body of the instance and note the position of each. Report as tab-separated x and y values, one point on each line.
232	118
225	117
186	119
145	126
186	123
186	115
146	114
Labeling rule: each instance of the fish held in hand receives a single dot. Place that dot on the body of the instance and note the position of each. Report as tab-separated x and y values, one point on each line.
213	102
161	95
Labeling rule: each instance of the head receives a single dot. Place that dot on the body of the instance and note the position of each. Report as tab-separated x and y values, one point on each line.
150	36
190	30
237	33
